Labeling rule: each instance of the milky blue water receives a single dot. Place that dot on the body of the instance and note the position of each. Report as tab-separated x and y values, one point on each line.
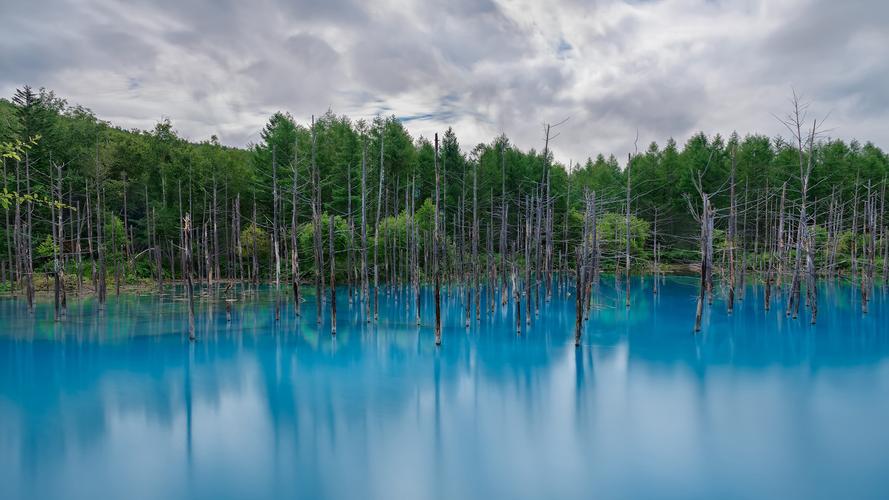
756	406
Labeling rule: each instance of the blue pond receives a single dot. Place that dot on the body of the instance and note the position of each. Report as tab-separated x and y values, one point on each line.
756	406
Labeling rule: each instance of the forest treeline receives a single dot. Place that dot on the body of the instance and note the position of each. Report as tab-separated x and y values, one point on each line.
84	199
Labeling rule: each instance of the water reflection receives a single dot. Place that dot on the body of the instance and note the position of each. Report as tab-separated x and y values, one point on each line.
125	406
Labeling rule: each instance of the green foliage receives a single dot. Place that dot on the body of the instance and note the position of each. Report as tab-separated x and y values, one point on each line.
255	238
395	227
46	248
15	149
612	229
115	236
157	172
306	238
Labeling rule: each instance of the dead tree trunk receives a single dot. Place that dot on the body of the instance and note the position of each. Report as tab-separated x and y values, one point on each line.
332	257
236	236
591	228
99	232
538	253
214	216
732	229
780	233
10	236
654	251
78	248
516	293
415	240
706	247
350	221
158	258
627	253
528	238
435	249
316	219
504	206
189	286
377	233
492	270
854	247
19	233
771	249
885	233
28	237
794	124
364	274
255	252
57	228
475	242
275	241
294	244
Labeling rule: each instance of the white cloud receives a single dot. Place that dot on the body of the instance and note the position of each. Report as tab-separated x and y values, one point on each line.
668	68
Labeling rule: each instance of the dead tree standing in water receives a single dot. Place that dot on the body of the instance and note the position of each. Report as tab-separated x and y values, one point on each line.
350	222
627	252
794	123
706	218
475	242
580	281
58	242
316	222
415	253
503	224
330	224
435	243
364	278
516	294
377	231
731	235
294	246
189	286
100	229
654	251
276	248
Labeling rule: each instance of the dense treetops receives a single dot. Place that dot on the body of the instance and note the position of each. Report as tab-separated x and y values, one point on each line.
157	168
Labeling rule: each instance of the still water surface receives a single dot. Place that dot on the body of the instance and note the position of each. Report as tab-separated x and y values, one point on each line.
757	406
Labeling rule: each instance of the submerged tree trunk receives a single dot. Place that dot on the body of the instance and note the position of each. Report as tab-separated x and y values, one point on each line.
435	249
350	222
730	237
99	232
275	241
529	235
516	294
504	207
189	286
377	235
364	273
627	252
294	247
331	256
316	219
578	299
654	251
475	242
58	242
415	252
706	248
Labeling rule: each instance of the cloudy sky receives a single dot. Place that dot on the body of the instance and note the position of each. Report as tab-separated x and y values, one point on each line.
667	68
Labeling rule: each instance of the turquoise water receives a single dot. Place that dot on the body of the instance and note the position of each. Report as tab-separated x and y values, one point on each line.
756	406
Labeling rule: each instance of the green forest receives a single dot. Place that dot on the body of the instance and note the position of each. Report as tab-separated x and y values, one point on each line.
75	187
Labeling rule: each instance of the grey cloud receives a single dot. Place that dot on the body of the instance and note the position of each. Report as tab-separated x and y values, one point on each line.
667	67
391	66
